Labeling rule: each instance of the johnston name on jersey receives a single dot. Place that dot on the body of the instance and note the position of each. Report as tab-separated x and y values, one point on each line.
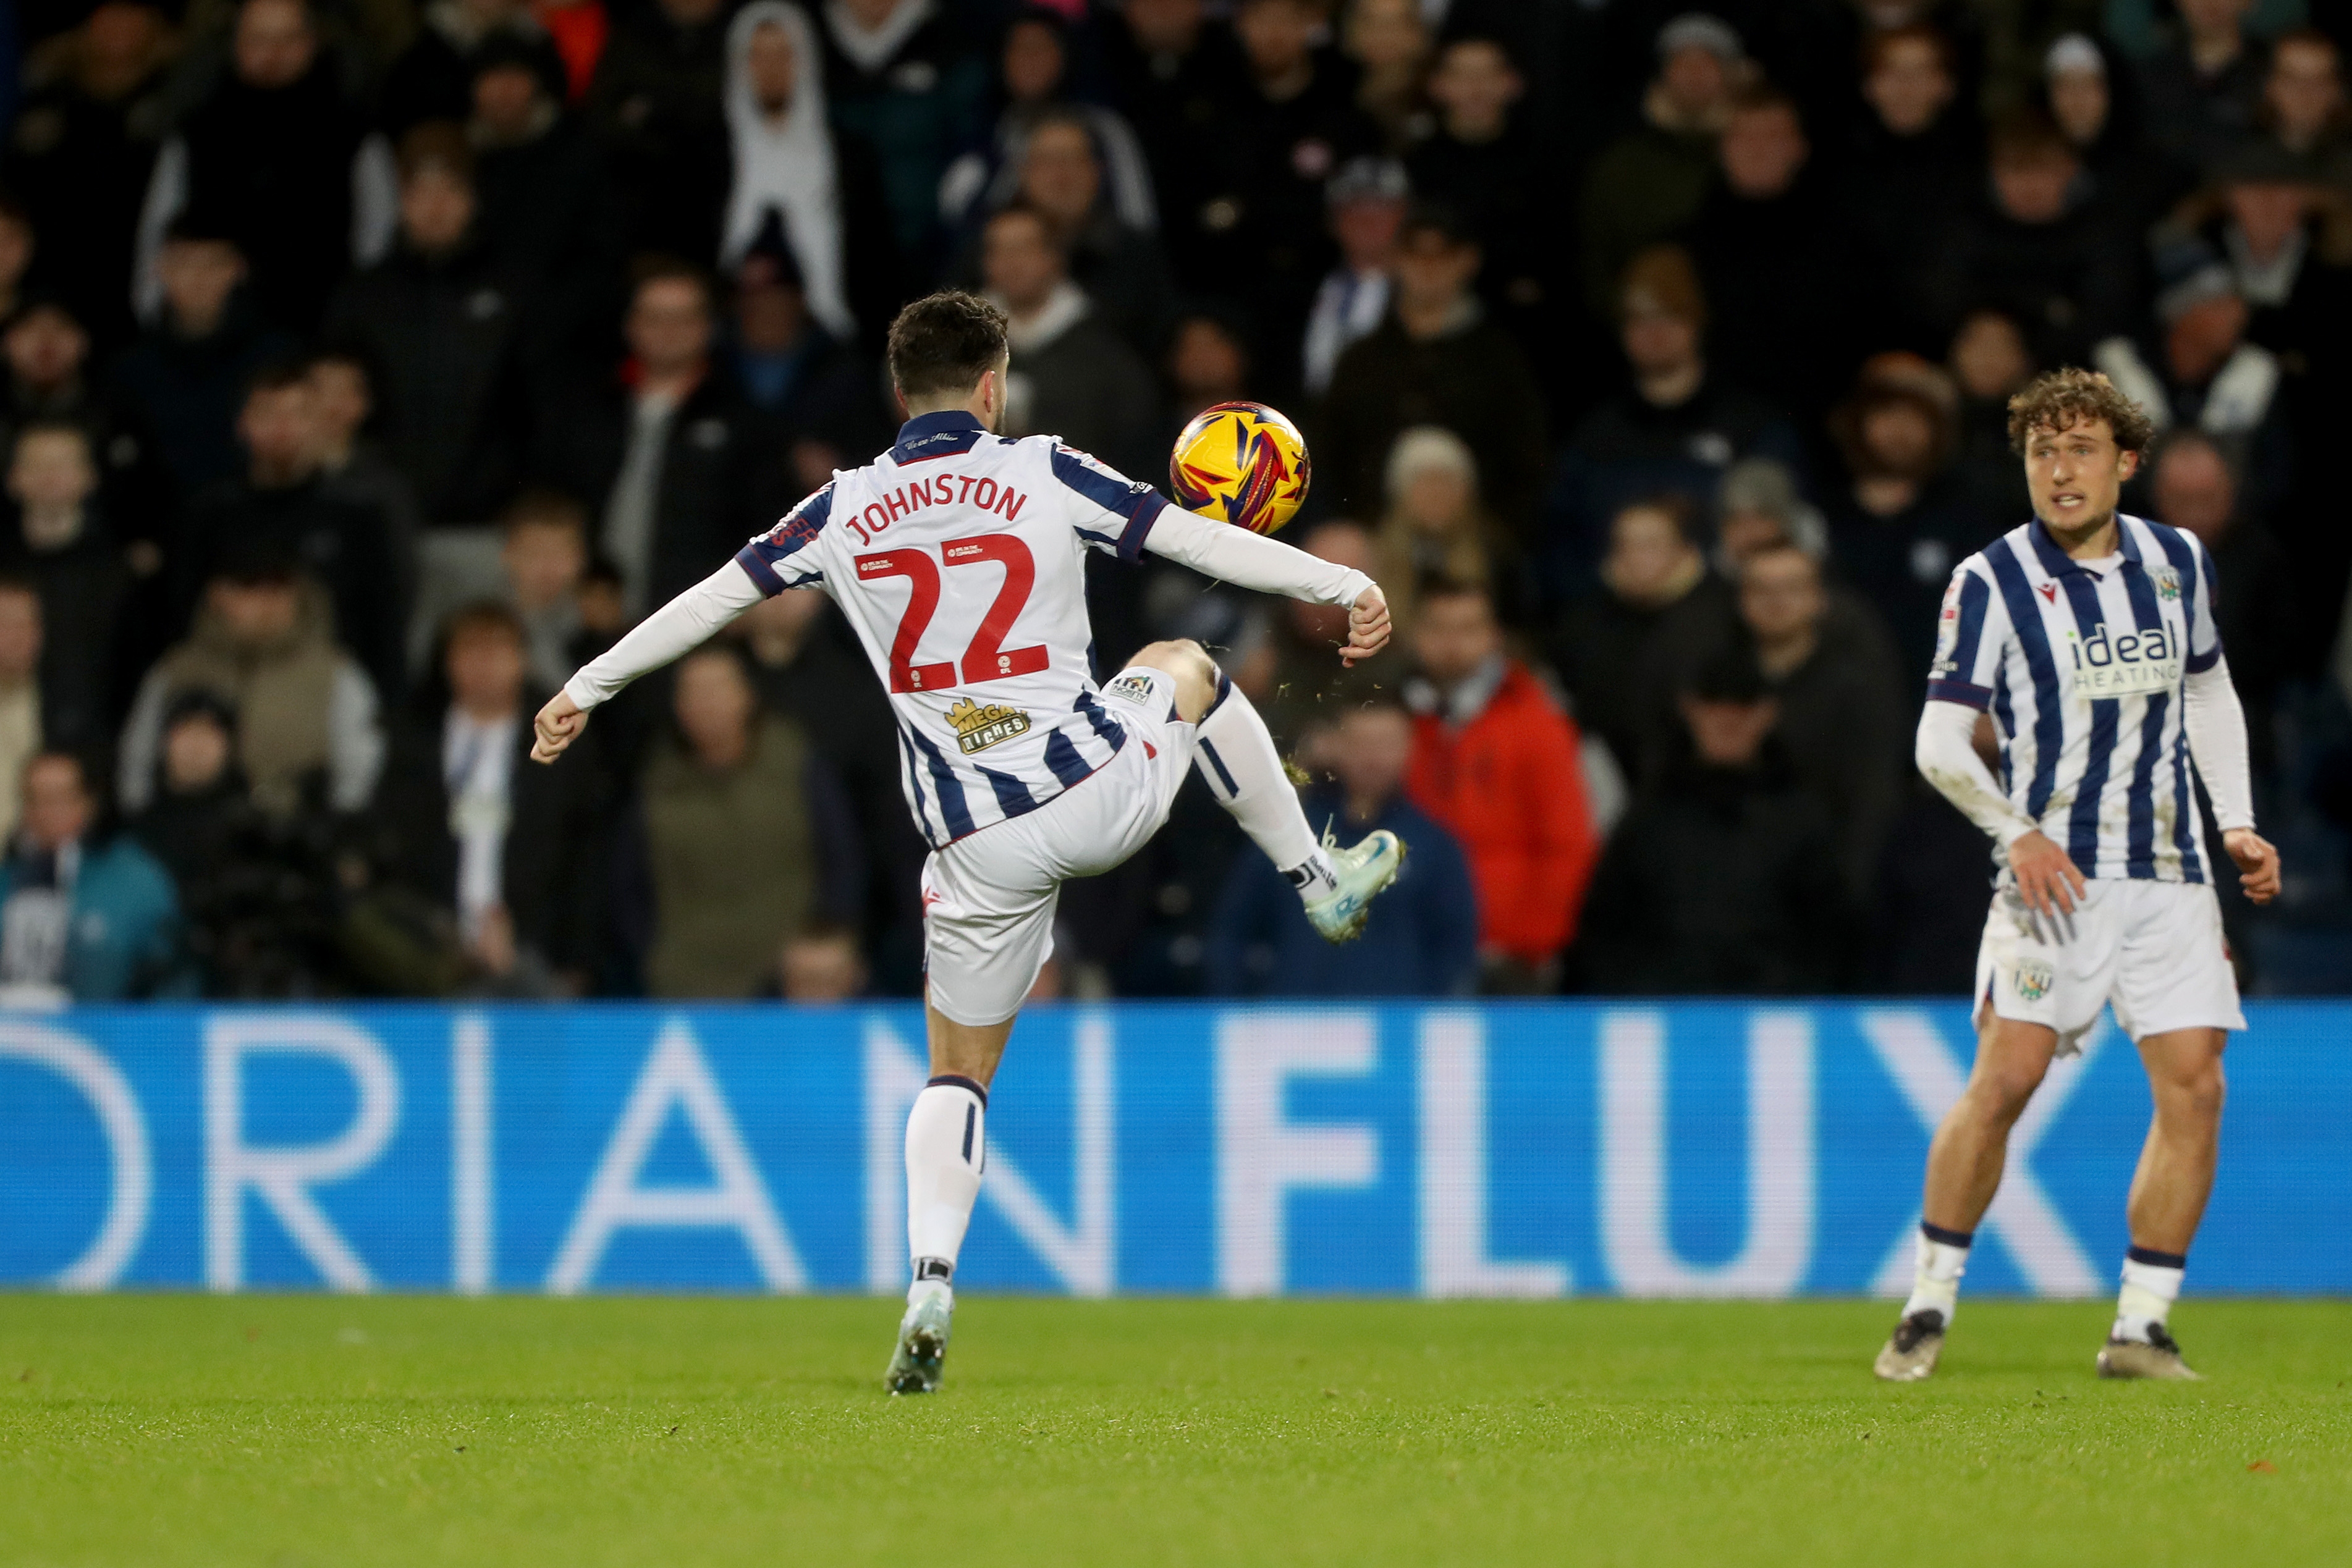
2080	664
959	556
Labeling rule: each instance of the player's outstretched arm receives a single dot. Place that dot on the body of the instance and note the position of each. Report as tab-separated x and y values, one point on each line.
1247	560
679	627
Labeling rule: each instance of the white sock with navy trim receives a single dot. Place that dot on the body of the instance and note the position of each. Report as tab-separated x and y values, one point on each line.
947	1150
1234	754
1942	1258
2151	1284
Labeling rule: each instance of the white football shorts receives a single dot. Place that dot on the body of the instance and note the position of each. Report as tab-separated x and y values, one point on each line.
989	898
2155	950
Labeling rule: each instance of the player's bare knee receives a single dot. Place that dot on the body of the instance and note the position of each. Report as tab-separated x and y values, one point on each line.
2195	1095
1195	673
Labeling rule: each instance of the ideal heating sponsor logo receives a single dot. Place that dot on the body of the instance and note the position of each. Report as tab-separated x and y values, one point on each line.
2123	664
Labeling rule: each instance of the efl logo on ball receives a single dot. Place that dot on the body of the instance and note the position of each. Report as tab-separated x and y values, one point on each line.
1244	461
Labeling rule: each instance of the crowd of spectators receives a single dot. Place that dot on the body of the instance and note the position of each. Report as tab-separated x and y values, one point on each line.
369	363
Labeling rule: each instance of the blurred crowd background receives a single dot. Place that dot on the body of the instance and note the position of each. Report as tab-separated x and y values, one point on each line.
370	364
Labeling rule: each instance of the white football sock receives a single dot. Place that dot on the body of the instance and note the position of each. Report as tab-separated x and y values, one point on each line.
1235	753
947	1148
1942	1259
2151	1284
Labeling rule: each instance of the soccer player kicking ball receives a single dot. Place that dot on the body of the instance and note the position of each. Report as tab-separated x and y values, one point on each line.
959	556
2090	637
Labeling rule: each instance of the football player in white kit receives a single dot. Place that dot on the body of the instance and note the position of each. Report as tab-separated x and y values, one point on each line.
959	557
2089	637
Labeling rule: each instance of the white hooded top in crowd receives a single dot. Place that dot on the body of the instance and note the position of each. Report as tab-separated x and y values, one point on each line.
786	165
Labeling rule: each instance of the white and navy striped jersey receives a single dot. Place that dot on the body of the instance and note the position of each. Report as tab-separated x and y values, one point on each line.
959	557
2081	663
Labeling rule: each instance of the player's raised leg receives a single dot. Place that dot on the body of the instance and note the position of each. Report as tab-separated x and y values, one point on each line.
2167	1200
1964	1168
947	1151
1235	756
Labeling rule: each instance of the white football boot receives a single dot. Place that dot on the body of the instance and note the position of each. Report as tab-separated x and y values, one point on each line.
1361	874
920	1359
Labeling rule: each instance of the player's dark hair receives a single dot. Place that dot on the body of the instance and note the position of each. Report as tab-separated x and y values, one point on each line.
2061	400
945	342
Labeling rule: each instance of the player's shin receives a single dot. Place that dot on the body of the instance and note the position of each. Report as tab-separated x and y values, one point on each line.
1942	1259
947	1149
1235	755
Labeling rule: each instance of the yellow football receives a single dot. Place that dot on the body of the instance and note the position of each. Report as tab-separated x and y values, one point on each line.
1244	461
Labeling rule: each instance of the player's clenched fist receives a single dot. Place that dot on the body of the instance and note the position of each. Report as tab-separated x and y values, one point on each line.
2258	862
558	724
1368	627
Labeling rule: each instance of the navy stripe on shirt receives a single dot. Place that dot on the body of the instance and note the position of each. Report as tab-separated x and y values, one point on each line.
953	812
2083	820
2049	722
1013	797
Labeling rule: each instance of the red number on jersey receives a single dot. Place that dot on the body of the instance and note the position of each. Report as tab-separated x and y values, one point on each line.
916	567
987	659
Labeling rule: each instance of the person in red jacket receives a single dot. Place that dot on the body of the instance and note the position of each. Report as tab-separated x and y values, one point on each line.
1497	762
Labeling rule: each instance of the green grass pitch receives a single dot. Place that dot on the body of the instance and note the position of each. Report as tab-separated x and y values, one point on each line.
293	1430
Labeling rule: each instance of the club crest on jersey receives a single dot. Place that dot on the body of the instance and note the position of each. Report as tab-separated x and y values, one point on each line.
2168	583
2035	980
1130	688
978	728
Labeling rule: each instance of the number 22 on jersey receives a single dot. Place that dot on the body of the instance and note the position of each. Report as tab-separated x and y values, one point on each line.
986	659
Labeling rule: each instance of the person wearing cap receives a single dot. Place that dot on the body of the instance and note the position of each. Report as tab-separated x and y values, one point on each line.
2203	86
442	325
1649	182
2198	369
2287	242
1901	520
309	734
1366	200
1723	878
1437	359
2039	243
2101	118
1674	430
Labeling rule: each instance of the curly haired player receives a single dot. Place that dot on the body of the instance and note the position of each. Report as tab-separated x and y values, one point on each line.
2089	637
959	556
